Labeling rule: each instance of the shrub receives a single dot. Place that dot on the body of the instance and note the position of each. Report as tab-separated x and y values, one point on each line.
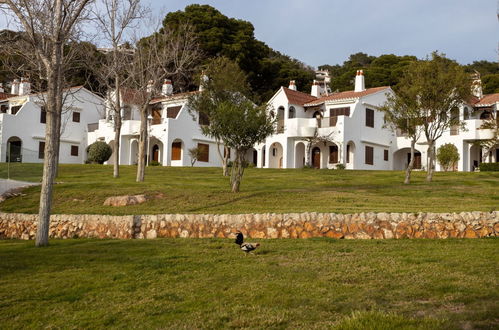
99	152
154	163
447	156
489	167
340	166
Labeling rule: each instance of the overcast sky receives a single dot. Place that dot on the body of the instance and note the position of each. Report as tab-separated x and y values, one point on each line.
327	31
320	32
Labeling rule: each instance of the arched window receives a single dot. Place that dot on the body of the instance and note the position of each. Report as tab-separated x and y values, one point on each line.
466	113
292	112
486	115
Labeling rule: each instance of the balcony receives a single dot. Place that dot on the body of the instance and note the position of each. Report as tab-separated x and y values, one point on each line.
299	127
130	127
474	131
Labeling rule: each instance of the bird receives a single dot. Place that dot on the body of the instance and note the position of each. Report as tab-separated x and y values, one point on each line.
246	247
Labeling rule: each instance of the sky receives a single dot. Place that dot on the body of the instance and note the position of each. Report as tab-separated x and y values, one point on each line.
319	32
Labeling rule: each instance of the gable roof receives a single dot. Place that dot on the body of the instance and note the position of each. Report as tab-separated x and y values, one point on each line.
345	96
488	100
177	96
298	98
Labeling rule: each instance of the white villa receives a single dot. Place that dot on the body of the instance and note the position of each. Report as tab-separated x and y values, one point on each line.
23	117
360	139
172	131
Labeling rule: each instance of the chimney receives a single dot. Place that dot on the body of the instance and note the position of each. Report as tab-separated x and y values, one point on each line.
1	88
292	85
316	89
167	88
150	86
24	87
15	87
204	80
476	85
360	84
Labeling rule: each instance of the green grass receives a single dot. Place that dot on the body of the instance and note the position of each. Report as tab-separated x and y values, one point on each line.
83	189
209	283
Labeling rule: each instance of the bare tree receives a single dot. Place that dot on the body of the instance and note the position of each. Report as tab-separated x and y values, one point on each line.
164	54
48	25
115	18
313	140
194	153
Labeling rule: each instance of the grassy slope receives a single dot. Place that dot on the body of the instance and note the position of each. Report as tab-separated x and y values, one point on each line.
83	189
209	283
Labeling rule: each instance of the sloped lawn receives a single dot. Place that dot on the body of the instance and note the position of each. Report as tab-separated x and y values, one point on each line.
209	283
83	189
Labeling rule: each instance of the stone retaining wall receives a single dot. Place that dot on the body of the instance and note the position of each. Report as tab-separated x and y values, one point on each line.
269	225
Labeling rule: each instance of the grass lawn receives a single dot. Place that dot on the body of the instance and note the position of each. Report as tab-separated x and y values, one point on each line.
83	189
209	283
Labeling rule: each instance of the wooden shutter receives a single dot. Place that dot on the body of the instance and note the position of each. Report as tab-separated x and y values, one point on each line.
43	115
203	119
332	121
369	155
176	150
348	153
369	118
204	152
156	116
333	154
385	155
76	117
172	112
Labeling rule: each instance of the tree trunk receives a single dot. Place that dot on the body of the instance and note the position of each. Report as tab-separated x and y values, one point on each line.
431	160
117	127
308	154
237	171
141	166
224	158
408	170
52	138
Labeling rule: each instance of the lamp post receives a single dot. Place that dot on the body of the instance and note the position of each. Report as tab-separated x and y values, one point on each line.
149	121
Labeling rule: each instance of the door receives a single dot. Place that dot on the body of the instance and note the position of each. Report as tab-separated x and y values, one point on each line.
417	160
155	153
316	157
176	150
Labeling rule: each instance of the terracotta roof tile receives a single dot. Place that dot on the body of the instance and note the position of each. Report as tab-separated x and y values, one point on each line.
346	95
298	98
173	97
4	96
488	100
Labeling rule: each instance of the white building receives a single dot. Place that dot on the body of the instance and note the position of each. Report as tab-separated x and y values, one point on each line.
172	131
360	139
23	117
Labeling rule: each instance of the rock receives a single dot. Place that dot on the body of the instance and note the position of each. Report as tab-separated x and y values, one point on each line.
151	234
334	234
470	233
125	200
388	234
362	235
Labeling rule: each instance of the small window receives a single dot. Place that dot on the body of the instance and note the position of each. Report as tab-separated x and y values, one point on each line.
203	119
76	117
385	155
369	118
292	112
15	109
41	150
204	150
172	112
348	153
4	108
333	154
369	155
74	150
43	115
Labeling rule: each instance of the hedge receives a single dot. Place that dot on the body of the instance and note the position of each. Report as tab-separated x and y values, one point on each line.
488	167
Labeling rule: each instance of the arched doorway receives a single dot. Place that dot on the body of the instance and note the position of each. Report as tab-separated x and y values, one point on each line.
350	155
316	157
14	150
300	155
475	157
402	157
134	150
276	155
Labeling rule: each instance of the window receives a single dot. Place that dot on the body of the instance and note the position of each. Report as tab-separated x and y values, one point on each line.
15	109
41	150
156	116
339	112
369	118
43	116
4	108
385	155
333	154
74	150
466	113
292	112
76	117
203	119
172	112
348	153
176	150
369	155
204	152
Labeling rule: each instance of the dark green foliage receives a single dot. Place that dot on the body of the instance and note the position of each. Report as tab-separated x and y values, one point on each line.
447	156
99	152
154	163
219	35
489	167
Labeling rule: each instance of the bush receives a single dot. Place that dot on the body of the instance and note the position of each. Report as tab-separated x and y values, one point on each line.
340	166
489	167
154	163
99	152
447	156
